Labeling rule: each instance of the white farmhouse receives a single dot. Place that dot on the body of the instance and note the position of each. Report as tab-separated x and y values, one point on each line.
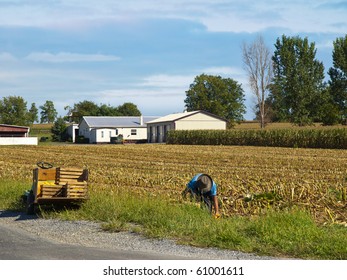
157	129
102	129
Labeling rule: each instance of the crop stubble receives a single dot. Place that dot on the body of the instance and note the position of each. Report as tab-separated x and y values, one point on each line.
250	179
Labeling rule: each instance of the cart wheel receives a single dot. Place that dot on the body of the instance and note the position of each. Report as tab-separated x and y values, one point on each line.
30	206
44	165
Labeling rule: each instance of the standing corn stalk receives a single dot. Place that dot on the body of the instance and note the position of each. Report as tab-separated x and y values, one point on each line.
258	65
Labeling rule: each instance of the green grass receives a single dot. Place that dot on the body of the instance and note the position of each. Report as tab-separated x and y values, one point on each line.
41	131
11	193
291	233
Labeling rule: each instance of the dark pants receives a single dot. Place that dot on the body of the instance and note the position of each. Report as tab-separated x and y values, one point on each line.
205	200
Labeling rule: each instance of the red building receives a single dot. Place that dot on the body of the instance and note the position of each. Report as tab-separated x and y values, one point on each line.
13	131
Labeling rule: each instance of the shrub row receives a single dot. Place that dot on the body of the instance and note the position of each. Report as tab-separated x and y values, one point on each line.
301	138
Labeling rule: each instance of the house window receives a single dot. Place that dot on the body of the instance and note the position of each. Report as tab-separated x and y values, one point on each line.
133	132
116	131
102	134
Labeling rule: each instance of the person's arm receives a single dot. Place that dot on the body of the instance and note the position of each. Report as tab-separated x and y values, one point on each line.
184	192
216	207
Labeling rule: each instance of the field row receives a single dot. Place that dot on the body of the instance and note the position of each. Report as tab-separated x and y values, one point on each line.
250	179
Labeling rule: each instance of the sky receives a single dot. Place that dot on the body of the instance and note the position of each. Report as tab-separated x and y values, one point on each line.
147	52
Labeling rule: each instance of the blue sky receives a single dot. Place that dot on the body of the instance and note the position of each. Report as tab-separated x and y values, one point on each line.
146	52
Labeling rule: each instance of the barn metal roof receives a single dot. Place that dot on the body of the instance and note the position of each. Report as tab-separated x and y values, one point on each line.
13	128
173	117
178	116
116	122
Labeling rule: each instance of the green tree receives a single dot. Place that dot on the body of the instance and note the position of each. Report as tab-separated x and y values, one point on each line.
33	113
13	111
128	109
59	130
83	108
223	97
107	110
89	108
298	80
48	112
338	77
329	113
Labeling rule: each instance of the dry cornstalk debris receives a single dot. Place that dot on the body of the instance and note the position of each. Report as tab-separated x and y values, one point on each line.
250	179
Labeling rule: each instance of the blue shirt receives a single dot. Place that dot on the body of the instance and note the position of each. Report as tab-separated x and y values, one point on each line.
193	186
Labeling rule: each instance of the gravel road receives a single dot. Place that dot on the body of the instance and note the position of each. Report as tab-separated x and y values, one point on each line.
90	234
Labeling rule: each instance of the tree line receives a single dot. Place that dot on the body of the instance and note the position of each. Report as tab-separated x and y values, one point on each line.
289	86
14	111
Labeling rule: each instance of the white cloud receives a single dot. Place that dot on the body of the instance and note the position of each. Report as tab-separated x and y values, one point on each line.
224	70
294	16
237	74
326	44
141	76
156	93
69	57
168	81
140	92
152	86
217	15
7	57
6	76
155	101
184	81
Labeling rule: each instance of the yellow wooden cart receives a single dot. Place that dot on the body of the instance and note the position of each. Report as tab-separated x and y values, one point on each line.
56	185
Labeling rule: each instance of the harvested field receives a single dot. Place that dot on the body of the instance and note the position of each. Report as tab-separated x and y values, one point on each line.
250	179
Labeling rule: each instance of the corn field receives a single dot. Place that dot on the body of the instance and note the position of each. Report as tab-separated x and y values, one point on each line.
250	179
335	138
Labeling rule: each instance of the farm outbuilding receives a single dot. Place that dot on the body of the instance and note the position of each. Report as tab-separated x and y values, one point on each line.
72	131
196	120
104	129
16	135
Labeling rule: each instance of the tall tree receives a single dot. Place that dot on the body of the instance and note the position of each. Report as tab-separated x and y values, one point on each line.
223	97
13	111
338	77
33	113
298	80
258	65
48	112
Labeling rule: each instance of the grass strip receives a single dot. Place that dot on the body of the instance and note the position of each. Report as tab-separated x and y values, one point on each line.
291	233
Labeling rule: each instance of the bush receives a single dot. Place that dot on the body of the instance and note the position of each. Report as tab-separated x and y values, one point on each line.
82	140
43	139
59	130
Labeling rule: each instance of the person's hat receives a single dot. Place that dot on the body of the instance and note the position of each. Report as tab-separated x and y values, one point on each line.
204	183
